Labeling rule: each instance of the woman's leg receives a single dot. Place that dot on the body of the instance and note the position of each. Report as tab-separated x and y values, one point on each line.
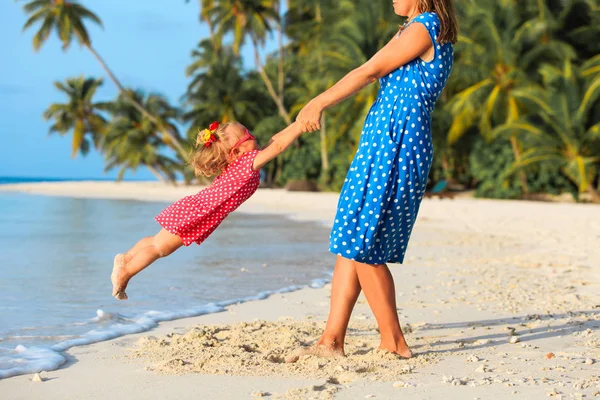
378	285
345	289
161	245
344	292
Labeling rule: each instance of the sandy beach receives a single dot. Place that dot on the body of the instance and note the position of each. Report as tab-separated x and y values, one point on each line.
499	299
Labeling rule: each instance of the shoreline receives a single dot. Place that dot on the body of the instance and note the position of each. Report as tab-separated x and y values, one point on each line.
473	268
66	187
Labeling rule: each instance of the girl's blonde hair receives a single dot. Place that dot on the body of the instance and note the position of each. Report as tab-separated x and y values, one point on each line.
212	160
447	14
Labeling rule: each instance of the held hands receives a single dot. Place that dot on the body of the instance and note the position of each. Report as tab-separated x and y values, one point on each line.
310	116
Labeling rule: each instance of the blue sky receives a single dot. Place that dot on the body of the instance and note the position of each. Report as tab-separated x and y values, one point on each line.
146	43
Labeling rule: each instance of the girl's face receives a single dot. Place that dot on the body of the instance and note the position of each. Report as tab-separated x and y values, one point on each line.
242	141
405	8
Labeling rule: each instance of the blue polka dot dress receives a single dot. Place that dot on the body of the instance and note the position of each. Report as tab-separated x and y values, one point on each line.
386	181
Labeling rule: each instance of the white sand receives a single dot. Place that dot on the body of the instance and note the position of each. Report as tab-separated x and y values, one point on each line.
478	275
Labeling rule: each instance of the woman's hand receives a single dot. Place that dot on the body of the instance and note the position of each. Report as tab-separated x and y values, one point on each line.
310	116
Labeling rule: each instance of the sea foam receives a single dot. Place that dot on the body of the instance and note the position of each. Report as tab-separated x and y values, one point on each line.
27	360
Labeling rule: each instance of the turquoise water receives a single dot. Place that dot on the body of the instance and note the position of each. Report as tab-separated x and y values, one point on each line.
19	179
56	259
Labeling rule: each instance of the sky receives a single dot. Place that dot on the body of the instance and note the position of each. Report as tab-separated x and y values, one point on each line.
146	43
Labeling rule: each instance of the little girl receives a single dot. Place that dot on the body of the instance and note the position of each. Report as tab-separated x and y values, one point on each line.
227	150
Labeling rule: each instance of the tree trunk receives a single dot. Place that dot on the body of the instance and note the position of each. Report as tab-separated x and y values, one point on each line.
517	154
278	170
324	157
174	139
280	40
446	168
593	194
318	17
280	107
271	174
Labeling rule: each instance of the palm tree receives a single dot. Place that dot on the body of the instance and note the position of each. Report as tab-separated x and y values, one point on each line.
252	19
578	24
210	99
307	24
243	18
242	98
130	140
492	56
351	42
590	69
79	115
205	7
539	34
204	56
568	136
68	18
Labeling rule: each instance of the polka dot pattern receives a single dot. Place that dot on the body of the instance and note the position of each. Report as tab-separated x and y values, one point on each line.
195	217
386	181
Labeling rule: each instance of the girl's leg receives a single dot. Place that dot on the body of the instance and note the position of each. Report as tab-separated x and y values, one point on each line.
378	285
161	245
145	242
121	259
345	289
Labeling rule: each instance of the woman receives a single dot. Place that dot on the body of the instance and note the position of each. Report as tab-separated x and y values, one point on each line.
386	181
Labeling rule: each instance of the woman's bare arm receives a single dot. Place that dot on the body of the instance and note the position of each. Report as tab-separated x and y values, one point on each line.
413	42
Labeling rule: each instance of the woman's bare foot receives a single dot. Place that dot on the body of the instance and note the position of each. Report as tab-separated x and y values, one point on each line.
319	350
118	278
403	352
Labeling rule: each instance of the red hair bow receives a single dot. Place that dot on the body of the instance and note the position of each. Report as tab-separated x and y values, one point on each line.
208	135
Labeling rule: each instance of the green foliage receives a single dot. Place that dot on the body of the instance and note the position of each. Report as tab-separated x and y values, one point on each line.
242	18
208	99
66	18
132	140
80	116
302	161
566	136
491	164
525	86
450	161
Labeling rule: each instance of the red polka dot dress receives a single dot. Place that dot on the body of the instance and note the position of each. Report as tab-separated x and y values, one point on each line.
195	217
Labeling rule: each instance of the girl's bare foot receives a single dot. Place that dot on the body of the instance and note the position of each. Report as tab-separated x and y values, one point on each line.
319	350
118	278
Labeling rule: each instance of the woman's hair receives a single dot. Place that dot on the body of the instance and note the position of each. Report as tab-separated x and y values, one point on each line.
447	14
212	160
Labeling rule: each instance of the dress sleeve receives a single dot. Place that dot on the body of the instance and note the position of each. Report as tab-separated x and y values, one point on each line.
432	23
247	163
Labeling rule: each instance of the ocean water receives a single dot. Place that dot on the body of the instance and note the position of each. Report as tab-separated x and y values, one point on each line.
18	179
56	257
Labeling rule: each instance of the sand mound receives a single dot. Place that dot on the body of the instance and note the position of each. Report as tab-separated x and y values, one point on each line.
259	349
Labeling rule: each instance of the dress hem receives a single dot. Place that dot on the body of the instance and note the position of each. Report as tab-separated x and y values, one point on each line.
364	261
176	233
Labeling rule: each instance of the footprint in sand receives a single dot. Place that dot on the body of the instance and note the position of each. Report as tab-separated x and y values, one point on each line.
317	350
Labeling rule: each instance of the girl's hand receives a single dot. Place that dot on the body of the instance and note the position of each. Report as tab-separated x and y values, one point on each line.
310	116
